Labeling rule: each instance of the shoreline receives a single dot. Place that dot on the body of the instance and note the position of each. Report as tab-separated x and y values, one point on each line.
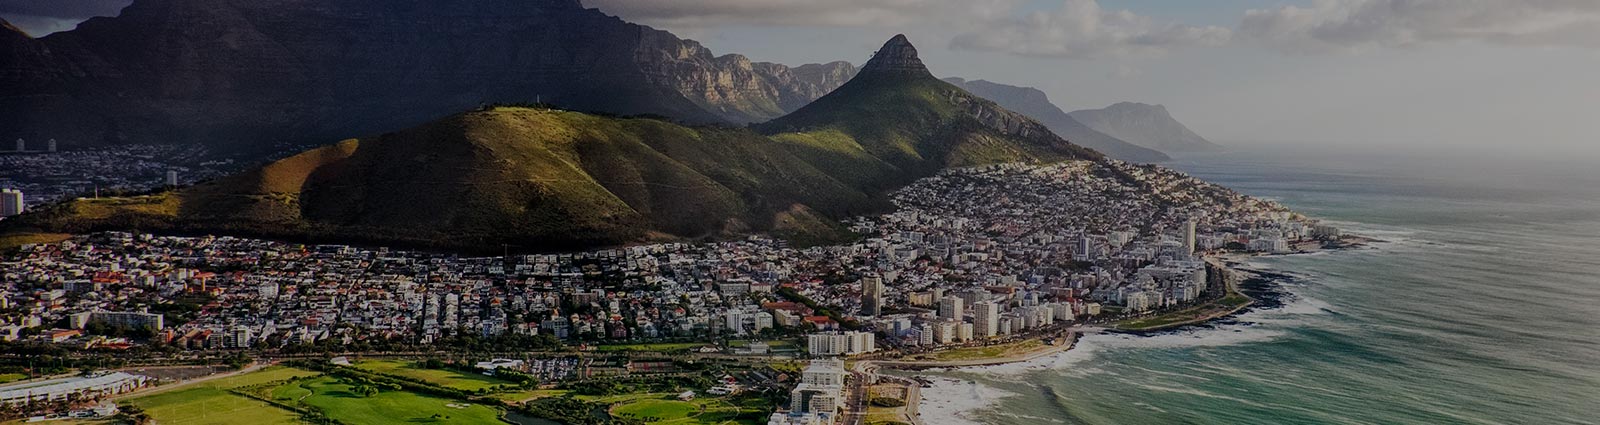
1231	262
1065	342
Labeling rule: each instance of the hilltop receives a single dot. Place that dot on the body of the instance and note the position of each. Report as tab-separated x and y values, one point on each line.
546	179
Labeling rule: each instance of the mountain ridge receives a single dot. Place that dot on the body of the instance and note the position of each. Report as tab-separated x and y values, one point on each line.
1037	105
243	73
1147	125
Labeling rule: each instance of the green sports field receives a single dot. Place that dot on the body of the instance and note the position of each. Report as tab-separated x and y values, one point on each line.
210	403
442	377
388	407
667	409
206	405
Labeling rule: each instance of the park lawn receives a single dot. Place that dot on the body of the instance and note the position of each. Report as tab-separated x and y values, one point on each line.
664	347
388	407
993	351
657	410
12	377
667	409
444	377
529	395
270	374
205	405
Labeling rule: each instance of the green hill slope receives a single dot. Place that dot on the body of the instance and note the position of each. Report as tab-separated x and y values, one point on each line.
898	122
537	179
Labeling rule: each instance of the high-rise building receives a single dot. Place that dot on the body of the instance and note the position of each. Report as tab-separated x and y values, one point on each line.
986	319
11	202
21	145
51	146
872	295
1188	237
172	177
951	308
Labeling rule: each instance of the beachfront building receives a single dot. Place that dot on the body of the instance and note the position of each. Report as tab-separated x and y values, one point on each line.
841	343
950	308
818	397
986	322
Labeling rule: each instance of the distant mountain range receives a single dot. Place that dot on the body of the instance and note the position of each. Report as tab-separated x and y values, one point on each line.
1034	103
545	179
1145	125
240	73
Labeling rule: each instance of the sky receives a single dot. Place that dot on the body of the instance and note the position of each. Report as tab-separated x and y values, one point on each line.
1409	76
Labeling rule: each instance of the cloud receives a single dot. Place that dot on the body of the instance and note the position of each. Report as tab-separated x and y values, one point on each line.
62	9
1080	29
40	17
1353	25
837	13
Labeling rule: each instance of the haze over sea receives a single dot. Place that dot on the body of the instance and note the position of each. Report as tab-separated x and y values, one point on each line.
1482	306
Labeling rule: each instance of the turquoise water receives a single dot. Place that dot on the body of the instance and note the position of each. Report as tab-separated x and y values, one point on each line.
1482	306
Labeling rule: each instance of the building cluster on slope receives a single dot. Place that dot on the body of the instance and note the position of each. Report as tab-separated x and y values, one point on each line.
971	255
47	175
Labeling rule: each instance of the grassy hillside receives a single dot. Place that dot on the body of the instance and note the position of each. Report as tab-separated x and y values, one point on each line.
882	129
537	179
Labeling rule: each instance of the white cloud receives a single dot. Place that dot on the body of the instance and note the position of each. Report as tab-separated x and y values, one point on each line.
1360	24
1082	29
700	13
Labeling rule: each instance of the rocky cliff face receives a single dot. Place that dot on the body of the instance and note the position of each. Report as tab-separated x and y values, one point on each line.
1145	125
242	73
1035	104
731	86
897	55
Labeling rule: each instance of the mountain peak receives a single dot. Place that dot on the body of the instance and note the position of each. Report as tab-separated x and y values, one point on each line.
896	55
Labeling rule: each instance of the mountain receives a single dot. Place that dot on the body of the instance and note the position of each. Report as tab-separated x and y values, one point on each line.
546	179
1035	104
1146	125
238	73
898	122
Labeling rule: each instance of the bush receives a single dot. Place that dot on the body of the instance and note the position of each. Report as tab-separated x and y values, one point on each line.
888	402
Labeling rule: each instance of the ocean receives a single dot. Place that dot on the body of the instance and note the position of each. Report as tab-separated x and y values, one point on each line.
1480	305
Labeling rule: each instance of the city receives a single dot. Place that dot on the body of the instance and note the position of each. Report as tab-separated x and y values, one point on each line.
972	258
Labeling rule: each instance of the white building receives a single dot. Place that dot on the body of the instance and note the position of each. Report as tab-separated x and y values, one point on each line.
11	203
986	319
951	308
820	393
841	343
61	389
